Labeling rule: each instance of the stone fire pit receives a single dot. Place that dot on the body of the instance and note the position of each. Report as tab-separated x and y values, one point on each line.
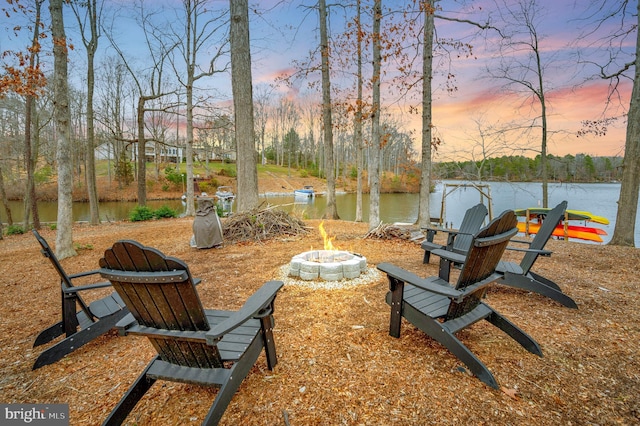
328	265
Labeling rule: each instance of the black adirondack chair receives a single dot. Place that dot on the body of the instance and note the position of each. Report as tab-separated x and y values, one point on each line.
521	276
440	310
204	347
90	321
457	241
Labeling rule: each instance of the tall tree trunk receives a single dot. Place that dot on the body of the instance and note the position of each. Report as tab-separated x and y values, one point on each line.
92	46
243	105
624	231
64	236
190	211
190	53
331	211
424	213
543	148
357	125
374	162
29	163
30	200
142	161
5	201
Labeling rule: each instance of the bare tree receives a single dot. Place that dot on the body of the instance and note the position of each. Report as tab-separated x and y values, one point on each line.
64	236
376	139
615	67
193	34
331	211
111	109
523	67
262	117
150	89
89	24
30	201
489	140
424	215
624	231
5	202
243	105
358	116
409	76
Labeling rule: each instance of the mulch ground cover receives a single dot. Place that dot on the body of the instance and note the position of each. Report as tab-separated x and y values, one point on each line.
337	363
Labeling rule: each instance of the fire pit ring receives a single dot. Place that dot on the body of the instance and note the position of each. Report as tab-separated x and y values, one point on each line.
328	265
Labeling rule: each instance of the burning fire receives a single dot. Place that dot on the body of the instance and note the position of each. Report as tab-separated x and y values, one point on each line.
328	245
330	264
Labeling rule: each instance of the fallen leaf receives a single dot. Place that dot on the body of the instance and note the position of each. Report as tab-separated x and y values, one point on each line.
511	393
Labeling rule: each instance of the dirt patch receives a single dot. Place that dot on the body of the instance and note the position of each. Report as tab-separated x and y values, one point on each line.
337	362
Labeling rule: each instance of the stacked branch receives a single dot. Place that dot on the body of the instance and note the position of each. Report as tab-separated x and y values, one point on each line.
387	231
258	225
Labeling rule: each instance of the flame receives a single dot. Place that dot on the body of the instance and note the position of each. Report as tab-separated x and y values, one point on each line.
328	245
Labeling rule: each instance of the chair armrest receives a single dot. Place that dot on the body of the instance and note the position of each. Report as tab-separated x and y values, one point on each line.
252	308
546	253
451	232
125	324
434	231
521	242
79	288
427	245
450	255
433	284
84	274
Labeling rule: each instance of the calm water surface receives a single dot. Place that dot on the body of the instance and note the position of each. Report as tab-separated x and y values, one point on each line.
597	198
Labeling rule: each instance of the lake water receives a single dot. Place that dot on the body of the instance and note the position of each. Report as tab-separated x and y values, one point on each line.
597	198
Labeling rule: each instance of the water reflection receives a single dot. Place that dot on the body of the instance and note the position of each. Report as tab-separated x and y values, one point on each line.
109	210
600	199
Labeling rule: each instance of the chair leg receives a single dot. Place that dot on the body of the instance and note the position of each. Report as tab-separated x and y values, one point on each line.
544	281
48	334
69	317
269	343
530	284
394	299
427	253
131	398
434	329
515	332
238	372
78	339
444	269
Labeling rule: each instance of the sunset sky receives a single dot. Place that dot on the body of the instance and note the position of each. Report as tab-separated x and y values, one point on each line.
285	31
570	96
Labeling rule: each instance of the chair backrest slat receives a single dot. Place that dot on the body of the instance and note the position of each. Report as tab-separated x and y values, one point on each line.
483	256
551	220
471	223
160	299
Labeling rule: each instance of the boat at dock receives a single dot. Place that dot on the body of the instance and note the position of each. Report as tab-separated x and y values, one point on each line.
306	191
225	197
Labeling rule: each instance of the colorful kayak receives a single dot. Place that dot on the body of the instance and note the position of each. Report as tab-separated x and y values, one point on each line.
573	231
571	214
